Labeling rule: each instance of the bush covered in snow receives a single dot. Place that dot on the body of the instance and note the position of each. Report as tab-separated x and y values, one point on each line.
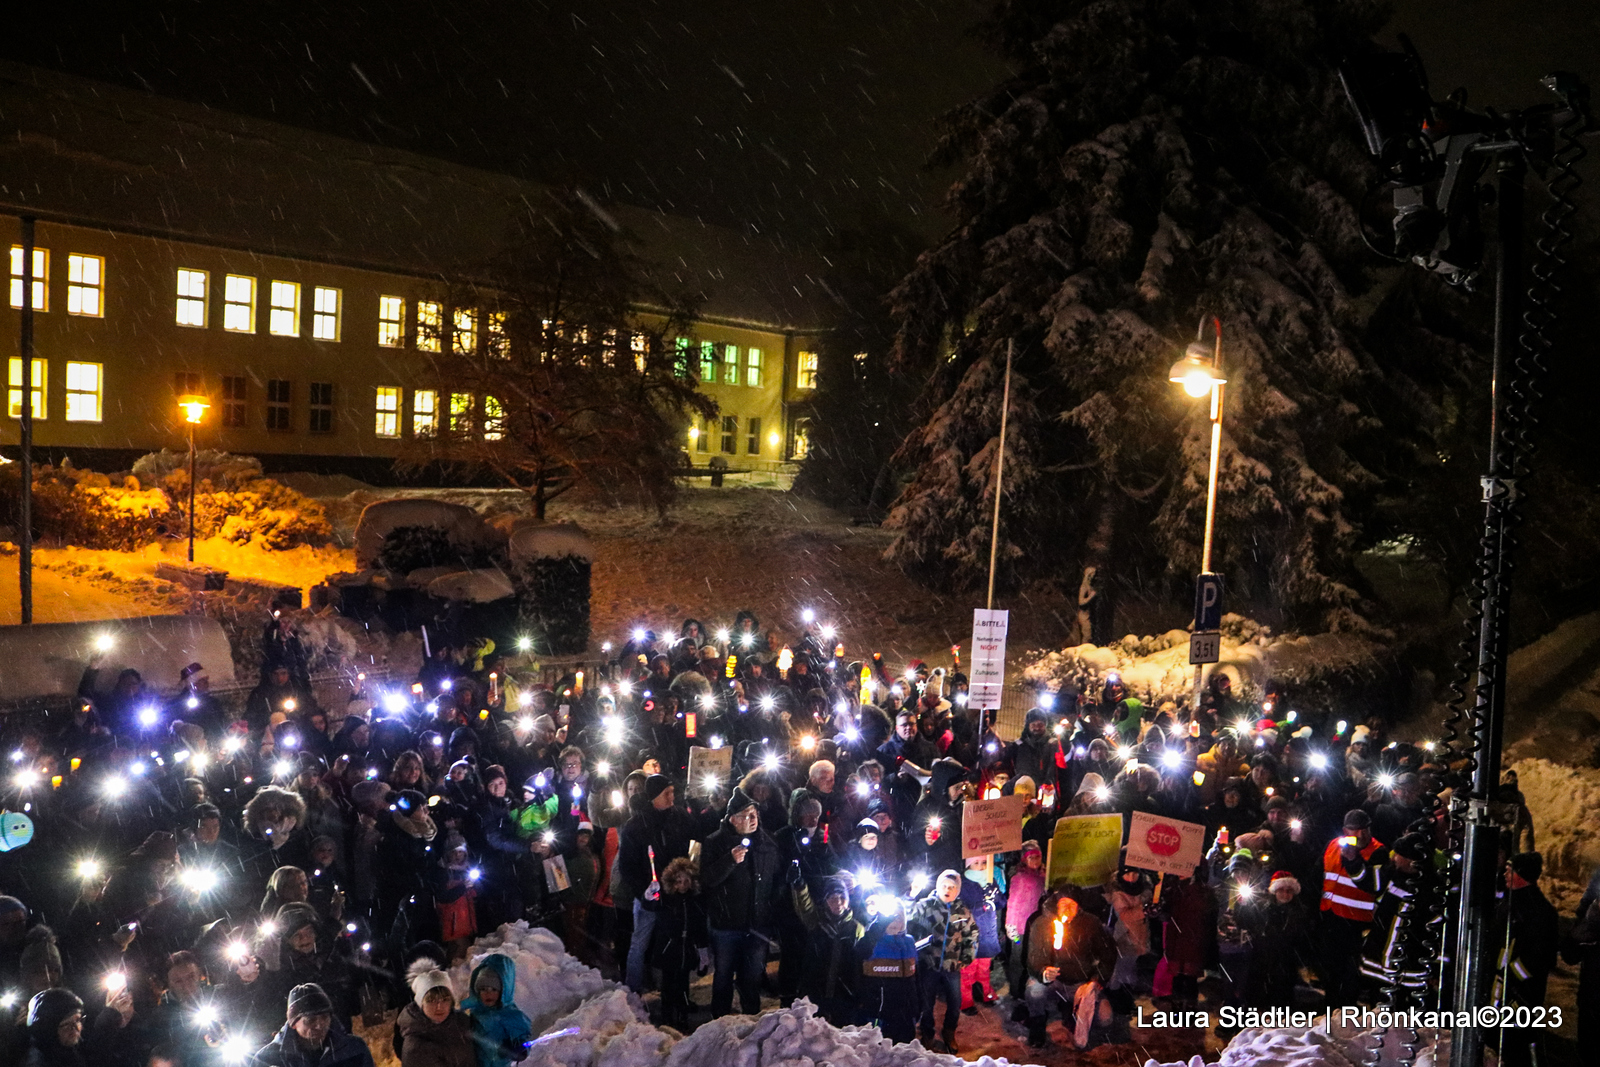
553	603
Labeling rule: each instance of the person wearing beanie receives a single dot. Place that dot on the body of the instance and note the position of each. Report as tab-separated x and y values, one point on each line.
1532	937
887	992
431	1031
499	1027
829	968
1352	880
657	833
454	881
949	935
583	872
312	1035
741	881
680	943
295	950
40	961
1025	890
55	1029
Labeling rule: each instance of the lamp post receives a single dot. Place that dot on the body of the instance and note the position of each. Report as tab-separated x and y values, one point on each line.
194	409
1200	373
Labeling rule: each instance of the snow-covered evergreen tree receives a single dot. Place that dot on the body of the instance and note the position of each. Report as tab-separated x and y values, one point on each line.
1150	163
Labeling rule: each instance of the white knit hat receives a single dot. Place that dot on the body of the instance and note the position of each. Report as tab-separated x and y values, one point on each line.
424	976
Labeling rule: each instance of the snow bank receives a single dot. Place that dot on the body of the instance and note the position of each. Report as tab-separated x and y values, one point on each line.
553	541
1563	801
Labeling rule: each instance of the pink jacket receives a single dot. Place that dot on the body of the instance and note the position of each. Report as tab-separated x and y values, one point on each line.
1022	899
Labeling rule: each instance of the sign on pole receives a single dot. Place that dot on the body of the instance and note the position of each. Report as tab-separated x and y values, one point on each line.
990	826
709	770
1166	846
1208	602
987	675
1085	850
1205	648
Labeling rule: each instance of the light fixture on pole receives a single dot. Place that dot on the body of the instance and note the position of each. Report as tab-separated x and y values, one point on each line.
1200	372
194	409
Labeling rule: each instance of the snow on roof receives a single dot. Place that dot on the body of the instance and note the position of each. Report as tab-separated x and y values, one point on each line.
76	150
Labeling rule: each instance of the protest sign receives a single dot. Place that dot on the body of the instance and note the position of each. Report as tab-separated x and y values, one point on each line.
1085	850
990	826
1166	846
987	675
709	770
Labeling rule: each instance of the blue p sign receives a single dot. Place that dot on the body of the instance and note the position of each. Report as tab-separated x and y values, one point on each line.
1208	602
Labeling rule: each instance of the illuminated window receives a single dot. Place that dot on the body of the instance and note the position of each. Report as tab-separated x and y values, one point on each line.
41	272
83	392
495	342
234	388
85	276
392	321
464	341
730	364
279	392
494	419
708	361
239	303
424	412
752	441
730	433
285	318
321	408
430	325
682	348
807	378
702	442
802	439
387	406
639	351
192	288
752	367
14	388
460	413
325	313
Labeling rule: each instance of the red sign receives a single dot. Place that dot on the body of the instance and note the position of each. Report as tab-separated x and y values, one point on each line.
1163	840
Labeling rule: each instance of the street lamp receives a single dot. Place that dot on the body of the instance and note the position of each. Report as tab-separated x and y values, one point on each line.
1200	372
194	409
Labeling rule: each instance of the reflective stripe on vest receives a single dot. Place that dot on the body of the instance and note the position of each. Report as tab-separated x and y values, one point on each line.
1340	894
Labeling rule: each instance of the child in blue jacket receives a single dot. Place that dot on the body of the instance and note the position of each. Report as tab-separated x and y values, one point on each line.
499	1027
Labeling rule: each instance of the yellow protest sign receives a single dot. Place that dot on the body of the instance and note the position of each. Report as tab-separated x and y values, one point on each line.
1085	850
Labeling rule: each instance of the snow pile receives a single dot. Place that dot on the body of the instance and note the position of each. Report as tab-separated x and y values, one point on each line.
1563	801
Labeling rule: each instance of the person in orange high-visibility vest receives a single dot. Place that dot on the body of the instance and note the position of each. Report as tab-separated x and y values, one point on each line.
1352	880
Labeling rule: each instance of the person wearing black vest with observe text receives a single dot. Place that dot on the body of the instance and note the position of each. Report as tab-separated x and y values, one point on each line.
740	882
1352	880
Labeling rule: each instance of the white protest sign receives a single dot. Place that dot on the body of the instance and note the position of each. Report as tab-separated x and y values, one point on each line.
709	770
1166	846
988	671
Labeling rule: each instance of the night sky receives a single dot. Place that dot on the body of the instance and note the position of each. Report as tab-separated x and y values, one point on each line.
788	115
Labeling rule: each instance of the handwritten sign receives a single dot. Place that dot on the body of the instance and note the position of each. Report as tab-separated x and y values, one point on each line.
1166	846
987	674
1085	850
990	826
709	770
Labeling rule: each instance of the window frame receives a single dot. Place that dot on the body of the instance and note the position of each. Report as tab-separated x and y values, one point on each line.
234	399
805	376
321	319
275	309
460	413
98	392
730	435
752	438
75	289
463	324
319	407
41	279
754	368
386	414
397	323
246	307
430	330
731	373
280	406
40	392
203	301
424	416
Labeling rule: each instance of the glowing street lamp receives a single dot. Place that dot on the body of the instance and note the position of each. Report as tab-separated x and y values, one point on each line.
194	408
1200	373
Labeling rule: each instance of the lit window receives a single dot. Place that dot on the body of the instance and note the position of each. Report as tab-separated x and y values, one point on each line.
321	408
85	276
279	391
807	378
608	348
83	392
41	272
702	442
392	321
708	361
494	419
639	351
680	357
730	364
752	367
239	303
285	318
387	407
464	342
14	388
424	412
730	433
495	342
430	325
752	442
460	412
802	439
325	313
234	387
192	286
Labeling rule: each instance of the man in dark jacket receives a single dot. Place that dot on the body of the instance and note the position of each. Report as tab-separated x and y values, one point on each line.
831	967
1581	949
653	838
935	837
802	850
741	883
1038	754
311	1037
1071	956
1532	932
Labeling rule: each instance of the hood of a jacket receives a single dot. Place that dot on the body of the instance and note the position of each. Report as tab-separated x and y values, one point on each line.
945	773
502	967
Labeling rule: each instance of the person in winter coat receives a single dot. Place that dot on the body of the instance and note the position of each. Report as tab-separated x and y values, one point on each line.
500	1029
935	837
655	836
1528	954
1129	896
831	967
947	940
55	1030
1071	957
1038	754
1188	936
888	959
1024	891
431	1031
290	957
1280	943
801	843
742	883
454	883
1581	949
680	943
312	1037
983	898
401	864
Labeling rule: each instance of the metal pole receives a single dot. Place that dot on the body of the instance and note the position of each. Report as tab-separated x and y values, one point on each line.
191	492
1479	858
25	555
1211	491
999	473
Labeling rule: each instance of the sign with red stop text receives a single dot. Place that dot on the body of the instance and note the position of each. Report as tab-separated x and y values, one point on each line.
1166	846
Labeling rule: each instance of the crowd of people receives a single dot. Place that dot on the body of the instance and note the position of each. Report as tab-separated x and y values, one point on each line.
208	884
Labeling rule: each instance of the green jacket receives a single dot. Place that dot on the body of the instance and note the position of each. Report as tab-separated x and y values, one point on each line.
953	933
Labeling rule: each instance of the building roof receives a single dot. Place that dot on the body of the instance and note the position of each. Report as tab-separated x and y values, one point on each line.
81	151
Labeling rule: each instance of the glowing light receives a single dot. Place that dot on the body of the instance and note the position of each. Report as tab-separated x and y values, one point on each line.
863	789
1171	760
267	928
1318	761
395	704
525	722
1060	730
828	632
1386	780
137	768
723	635
1102	793
89	868
180	756
991	748
1124	752
577	792
1243	726
708	701
473	874
237	1049
919	881
206	1016
200	761
617	799
638	634
235	951
961	699
770	763
200	879
807	743
747	641
9	1000
605	646
549	837
524	643
104	642
290	741
193	407
1295	824
768	703
1341	727
852	734
1047	700
282	768
116	982
115	786
148	717
192	703
808	616
603	768
614	729
26	779
866	878
1246	892
716	742
935	822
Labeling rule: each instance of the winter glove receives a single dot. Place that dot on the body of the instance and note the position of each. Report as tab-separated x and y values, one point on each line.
705	962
